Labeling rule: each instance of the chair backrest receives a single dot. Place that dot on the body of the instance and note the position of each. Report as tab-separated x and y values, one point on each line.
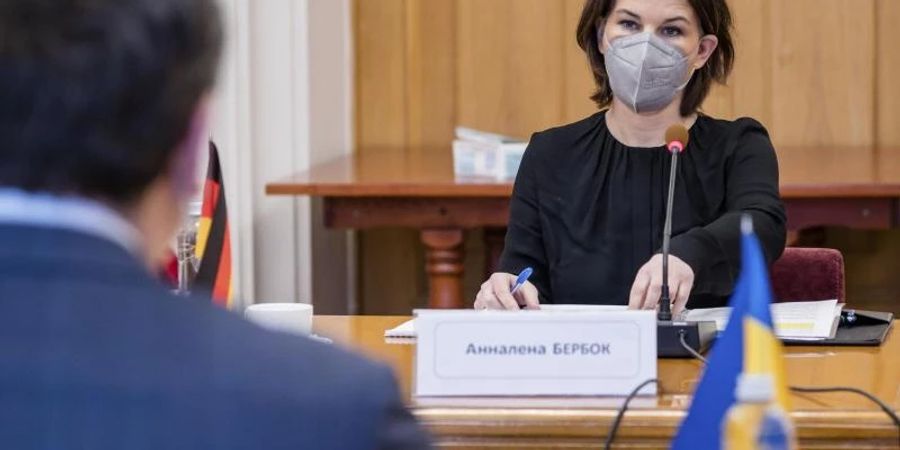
808	274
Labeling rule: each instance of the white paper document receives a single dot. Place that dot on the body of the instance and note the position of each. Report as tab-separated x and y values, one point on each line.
404	330
407	330
793	320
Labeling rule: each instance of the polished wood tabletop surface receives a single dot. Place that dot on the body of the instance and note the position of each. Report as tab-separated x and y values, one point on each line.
805	172
823	420
388	174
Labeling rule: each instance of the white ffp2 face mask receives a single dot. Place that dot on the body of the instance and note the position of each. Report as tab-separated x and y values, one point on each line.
645	72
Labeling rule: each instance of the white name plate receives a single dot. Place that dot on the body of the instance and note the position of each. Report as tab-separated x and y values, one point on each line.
499	353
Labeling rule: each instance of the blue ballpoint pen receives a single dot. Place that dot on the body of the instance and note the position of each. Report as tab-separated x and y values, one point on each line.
521	279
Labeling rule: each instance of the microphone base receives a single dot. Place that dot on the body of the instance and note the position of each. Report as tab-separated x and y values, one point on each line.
698	335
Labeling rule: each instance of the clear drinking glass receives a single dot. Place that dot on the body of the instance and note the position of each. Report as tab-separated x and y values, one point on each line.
185	248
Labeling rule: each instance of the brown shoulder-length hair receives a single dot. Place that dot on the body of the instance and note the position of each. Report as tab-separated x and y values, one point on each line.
715	18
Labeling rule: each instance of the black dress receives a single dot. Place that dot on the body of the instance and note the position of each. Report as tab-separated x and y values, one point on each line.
587	211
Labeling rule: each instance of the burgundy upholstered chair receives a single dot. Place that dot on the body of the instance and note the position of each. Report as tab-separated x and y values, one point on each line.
808	274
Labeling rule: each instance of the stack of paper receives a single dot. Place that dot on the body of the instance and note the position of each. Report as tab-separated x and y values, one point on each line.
793	320
479	154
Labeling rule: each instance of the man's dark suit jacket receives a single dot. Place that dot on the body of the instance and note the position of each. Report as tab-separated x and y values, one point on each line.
94	354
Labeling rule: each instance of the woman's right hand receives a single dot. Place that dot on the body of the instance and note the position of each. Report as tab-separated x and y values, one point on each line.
496	293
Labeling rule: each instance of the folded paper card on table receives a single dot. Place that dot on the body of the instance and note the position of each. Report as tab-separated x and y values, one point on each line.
539	353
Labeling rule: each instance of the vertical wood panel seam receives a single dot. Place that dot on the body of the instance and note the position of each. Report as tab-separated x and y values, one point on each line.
454	78
768	81
457	67
407	96
457	62
413	74
876	82
564	86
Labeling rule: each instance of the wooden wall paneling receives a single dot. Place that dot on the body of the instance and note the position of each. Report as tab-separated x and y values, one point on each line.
381	116
431	69
887	97
390	259
579	83
751	82
720	102
823	72
748	91
510	70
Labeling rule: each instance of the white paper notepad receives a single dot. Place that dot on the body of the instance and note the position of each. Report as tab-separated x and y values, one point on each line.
404	330
407	330
793	320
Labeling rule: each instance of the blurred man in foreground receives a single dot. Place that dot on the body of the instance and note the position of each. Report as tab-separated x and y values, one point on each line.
103	112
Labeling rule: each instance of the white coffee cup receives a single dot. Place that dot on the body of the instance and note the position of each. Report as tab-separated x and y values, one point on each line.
293	318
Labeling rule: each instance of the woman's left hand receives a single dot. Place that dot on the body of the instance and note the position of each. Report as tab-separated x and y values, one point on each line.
647	287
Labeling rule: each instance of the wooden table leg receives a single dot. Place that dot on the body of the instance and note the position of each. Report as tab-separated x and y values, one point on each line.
444	266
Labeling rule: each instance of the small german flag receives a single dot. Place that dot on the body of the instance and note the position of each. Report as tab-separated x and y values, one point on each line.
213	237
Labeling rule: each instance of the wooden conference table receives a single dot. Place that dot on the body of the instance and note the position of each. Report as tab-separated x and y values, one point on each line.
820	186
823	421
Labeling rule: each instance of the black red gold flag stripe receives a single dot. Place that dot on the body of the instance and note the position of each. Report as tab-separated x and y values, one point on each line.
213	237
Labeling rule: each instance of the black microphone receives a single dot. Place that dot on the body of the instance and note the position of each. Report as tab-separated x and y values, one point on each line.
677	339
676	140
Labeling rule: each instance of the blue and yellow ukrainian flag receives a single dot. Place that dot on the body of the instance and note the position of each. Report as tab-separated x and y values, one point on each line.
748	344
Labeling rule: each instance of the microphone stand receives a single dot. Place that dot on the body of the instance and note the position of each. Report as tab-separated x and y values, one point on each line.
674	338
665	302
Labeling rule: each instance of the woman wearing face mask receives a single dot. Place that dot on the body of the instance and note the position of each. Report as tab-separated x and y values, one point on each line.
588	206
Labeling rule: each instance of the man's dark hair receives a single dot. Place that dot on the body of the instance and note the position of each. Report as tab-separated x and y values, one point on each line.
715	19
95	95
